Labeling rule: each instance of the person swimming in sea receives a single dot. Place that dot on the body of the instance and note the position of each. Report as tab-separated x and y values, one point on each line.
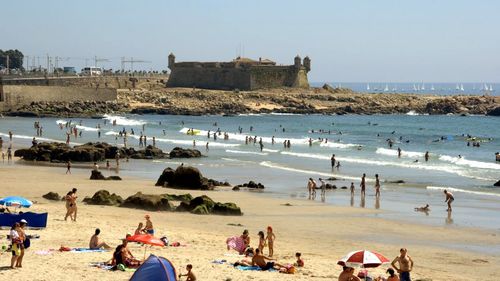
423	209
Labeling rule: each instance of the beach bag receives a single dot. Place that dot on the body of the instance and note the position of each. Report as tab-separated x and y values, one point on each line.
27	243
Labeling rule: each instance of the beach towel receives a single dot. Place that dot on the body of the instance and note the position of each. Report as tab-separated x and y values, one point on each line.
87	250
251	268
236	243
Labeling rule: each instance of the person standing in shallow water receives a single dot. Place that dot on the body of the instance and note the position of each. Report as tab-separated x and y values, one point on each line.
377	186
363	185
332	160
449	199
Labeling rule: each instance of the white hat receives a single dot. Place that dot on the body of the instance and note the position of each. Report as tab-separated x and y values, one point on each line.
23	221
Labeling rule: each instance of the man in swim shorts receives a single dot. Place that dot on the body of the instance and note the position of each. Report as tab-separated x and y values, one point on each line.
263	262
449	199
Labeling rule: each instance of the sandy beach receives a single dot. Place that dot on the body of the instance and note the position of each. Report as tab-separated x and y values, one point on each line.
323	233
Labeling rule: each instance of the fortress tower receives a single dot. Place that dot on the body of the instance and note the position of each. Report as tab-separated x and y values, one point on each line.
240	73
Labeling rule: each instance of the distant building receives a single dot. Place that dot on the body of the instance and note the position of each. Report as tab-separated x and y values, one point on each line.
241	73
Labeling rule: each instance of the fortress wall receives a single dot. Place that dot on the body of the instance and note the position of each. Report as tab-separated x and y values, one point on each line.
272	77
210	78
14	95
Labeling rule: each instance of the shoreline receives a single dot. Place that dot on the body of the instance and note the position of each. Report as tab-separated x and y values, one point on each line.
321	238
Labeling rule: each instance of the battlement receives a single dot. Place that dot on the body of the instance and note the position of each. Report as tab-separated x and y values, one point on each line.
240	73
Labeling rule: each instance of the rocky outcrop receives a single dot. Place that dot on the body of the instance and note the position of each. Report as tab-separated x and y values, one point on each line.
186	177
494	112
151	202
97	175
52	196
68	109
179	152
497	183
204	205
89	152
103	197
249	185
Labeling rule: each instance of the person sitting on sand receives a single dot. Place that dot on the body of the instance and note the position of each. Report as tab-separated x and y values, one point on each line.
423	209
300	261
139	229
149	226
392	275
122	255
190	275
261	261
96	243
347	274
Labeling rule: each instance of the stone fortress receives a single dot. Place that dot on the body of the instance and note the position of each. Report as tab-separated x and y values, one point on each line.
241	74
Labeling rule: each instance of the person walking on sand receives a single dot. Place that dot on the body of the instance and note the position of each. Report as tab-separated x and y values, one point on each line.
363	185
405	265
449	199
68	167
377	186
22	236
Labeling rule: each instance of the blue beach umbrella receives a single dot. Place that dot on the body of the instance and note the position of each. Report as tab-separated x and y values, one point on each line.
16	201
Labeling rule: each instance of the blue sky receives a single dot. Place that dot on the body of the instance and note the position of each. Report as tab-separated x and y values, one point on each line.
372	40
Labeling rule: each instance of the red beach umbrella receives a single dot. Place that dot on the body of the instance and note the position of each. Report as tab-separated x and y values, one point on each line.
146	239
363	258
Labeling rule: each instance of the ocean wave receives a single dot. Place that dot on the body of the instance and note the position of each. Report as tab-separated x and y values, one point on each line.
270	150
452	189
309	172
24	137
242	137
411	165
470	163
246	152
123	121
190	142
84	128
339	145
393	152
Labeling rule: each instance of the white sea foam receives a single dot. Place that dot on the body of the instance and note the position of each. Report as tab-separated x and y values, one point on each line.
246	152
270	150
84	128
190	142
394	152
452	189
123	121
37	138
411	165
338	145
241	137
309	172
470	163
111	133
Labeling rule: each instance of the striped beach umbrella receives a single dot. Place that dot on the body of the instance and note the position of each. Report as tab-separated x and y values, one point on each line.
363	258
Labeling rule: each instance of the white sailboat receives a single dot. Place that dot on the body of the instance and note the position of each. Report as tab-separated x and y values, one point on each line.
457	88
462	87
386	89
486	87
367	87
432	88
491	88
414	88
423	87
418	87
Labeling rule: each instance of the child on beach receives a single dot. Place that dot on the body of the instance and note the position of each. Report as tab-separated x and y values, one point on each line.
270	240
149	226
139	229
190	275
352	189
300	261
262	241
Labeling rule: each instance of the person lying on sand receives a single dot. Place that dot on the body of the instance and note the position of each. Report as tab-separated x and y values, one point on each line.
423	209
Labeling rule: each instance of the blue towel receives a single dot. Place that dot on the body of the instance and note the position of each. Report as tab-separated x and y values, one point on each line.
252	268
87	250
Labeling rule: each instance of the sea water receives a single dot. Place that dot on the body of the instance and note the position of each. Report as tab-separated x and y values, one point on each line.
359	142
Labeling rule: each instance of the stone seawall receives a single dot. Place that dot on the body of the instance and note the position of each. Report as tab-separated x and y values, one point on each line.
12	96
